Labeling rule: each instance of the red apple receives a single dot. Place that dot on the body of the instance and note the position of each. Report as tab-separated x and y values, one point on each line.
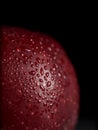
39	85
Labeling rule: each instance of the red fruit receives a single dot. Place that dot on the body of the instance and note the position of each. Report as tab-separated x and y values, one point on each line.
39	85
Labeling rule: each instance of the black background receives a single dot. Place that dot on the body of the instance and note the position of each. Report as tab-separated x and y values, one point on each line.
74	27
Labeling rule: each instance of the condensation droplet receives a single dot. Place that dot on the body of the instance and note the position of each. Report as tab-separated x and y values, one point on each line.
39	94
32	65
22	54
39	101
37	83
16	58
52	112
21	112
32	113
27	50
34	53
48	83
41	47
40	43
49	48
27	128
36	64
45	78
45	67
38	75
56	65
44	84
54	57
9	102
36	98
44	103
10	58
31	95
60	81
51	96
22	123
64	101
58	49
36	47
52	45
55	110
48	117
19	91
22	68
55	123
21	84
32	72
41	71
64	77
55	53
11	126
44	53
31	39
54	69
40	80
4	60
59	74
47	74
3	83
26	57
42	87
47	40
43	60
38	59
51	104
52	78
13	51
51	71
64	119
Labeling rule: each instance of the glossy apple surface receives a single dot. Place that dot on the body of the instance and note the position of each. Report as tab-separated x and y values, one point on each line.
39	89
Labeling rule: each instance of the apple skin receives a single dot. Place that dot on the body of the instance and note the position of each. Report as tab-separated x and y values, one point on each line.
39	87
